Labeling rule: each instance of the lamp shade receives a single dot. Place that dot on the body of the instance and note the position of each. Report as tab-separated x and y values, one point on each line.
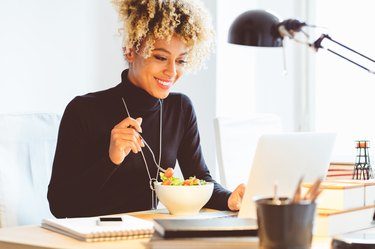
255	28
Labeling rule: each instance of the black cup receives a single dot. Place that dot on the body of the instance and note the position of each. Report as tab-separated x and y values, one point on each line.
285	225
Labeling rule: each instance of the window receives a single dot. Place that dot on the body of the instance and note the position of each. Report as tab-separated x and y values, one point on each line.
345	93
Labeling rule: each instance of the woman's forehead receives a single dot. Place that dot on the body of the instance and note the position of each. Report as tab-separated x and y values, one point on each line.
174	45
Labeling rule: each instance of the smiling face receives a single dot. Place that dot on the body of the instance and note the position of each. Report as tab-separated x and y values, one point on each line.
157	73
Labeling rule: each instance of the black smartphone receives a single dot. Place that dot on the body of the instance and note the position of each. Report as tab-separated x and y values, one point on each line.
109	221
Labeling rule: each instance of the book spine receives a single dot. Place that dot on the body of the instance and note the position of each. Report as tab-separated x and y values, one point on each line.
343	222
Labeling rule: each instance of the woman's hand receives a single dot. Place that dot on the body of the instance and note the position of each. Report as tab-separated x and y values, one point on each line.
235	199
125	138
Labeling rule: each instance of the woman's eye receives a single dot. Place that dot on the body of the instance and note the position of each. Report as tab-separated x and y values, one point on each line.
163	59
160	58
182	62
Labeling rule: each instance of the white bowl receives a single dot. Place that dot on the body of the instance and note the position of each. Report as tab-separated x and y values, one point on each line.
184	200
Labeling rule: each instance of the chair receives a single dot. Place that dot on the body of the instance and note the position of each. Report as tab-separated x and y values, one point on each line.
27	147
236	140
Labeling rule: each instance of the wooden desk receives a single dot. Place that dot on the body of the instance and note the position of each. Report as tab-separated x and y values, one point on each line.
35	237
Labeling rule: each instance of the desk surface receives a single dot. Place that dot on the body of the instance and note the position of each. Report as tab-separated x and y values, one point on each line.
35	237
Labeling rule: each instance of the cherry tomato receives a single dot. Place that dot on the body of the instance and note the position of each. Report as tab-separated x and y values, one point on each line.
166	182
187	182
168	173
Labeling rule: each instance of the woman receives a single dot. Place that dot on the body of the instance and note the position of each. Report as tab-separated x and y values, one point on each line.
101	165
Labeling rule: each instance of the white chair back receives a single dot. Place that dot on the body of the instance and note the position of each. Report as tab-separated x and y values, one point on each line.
27	148
236	140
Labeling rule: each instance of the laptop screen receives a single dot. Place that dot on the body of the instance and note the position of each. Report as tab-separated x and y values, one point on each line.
283	159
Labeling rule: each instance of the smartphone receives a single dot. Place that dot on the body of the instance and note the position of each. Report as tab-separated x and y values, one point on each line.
109	221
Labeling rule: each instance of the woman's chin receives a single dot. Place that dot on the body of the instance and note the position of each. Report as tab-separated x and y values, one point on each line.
161	95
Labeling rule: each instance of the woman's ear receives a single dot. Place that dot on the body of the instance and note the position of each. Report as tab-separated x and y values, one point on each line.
129	54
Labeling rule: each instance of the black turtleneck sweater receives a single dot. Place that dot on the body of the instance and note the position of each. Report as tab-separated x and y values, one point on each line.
85	182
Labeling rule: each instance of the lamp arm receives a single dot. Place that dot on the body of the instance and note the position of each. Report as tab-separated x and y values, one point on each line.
317	44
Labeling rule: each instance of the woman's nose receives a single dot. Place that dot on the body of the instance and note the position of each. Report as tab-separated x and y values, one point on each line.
171	69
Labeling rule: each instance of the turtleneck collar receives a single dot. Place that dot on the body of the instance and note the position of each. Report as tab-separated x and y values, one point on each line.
136	98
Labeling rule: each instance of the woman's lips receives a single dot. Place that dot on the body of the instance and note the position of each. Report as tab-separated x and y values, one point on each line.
165	84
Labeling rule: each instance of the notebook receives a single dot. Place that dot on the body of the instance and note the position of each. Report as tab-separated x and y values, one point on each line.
282	159
88	229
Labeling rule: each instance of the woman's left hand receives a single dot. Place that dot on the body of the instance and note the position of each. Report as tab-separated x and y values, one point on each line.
235	199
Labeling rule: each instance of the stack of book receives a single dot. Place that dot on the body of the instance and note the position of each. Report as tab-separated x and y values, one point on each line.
344	206
340	171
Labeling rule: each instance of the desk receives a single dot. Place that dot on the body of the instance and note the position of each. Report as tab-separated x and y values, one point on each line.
35	237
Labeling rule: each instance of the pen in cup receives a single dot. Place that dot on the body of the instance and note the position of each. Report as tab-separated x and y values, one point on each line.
314	190
276	199
297	193
311	194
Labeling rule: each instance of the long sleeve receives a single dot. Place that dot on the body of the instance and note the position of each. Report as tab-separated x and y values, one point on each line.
80	168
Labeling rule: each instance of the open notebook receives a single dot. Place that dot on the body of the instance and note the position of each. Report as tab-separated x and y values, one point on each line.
88	229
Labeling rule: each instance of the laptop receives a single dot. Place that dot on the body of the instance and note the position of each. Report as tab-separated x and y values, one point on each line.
281	160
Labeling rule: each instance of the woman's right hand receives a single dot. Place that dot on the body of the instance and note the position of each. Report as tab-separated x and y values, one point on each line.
125	138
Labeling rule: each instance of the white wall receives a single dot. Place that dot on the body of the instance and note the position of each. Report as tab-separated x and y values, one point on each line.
52	51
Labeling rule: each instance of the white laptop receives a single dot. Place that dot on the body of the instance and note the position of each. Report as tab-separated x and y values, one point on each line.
282	159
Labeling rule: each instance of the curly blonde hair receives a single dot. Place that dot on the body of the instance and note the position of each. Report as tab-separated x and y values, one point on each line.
145	21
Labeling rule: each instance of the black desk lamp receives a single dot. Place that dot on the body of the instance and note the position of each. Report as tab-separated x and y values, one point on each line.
261	28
